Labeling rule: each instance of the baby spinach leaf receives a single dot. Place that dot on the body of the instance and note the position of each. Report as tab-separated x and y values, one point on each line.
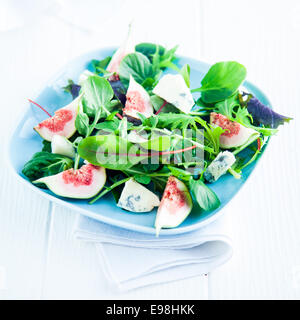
45	164
87	108
110	125
98	93
137	65
204	196
221	81
149	49
82	123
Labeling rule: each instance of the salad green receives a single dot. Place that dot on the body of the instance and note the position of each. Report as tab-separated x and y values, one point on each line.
171	153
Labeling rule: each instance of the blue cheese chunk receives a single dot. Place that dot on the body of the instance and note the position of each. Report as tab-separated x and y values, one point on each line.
137	198
174	90
219	166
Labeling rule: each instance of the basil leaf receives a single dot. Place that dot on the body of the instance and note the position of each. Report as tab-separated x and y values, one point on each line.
137	65
221	81
45	164
204	196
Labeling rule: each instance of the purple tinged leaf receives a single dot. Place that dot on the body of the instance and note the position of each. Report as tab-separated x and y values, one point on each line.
72	88
265	115
119	90
75	88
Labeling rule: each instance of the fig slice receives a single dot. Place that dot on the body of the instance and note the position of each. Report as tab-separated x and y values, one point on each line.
62	123
174	90
126	48
176	204
235	134
82	183
137	198
137	101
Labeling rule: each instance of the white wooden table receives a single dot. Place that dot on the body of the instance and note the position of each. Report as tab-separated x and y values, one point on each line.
38	257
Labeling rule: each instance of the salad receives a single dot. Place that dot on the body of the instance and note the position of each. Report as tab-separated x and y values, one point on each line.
136	129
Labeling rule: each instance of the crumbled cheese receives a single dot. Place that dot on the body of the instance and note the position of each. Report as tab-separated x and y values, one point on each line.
219	166
137	198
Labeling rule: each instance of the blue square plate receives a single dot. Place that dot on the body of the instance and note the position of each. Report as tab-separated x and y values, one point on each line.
25	142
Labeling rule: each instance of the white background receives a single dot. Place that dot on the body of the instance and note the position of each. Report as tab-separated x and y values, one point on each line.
39	258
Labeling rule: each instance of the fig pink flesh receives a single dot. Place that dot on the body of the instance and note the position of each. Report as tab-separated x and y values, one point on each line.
235	134
62	123
58	121
134	101
137	100
232	128
82	176
173	198
175	206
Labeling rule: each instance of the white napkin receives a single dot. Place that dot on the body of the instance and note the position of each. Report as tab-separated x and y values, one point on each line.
131	259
